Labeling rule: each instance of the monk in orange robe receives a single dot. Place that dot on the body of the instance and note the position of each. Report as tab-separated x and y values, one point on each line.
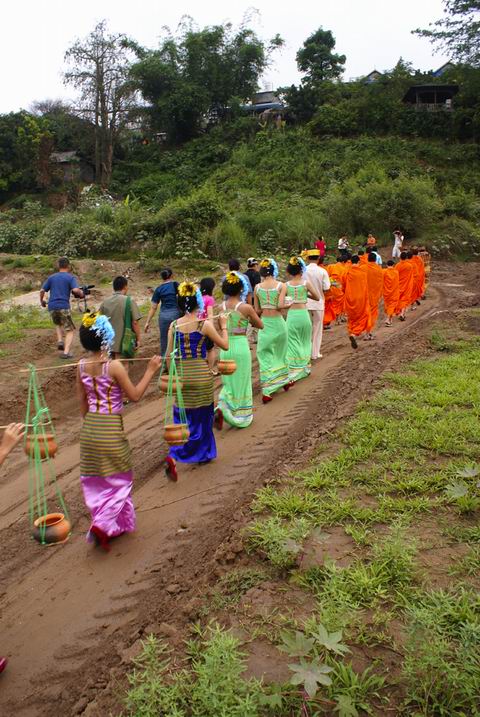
420	287
416	277
375	289
405	281
357	305
336	296
362	257
391	291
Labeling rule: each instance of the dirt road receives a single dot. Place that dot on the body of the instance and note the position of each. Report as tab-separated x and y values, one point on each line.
71	614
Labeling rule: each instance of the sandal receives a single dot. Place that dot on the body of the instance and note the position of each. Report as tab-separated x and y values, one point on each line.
61	346
288	385
353	342
3	663
266	399
171	469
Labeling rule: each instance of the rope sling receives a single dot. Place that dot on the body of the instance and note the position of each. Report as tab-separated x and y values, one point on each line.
175	433
40	447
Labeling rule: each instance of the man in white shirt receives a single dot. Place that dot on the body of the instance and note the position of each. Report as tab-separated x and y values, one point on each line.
397	244
318	277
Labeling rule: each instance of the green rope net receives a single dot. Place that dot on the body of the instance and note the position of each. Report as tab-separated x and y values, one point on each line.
175	380
40	447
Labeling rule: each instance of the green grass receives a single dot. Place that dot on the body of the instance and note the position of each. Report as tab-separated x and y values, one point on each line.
410	455
15	321
404	486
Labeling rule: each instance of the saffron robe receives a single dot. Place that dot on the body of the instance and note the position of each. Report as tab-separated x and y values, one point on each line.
375	289
406	284
357	305
391	290
420	283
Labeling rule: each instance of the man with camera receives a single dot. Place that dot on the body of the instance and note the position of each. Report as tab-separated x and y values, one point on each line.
59	287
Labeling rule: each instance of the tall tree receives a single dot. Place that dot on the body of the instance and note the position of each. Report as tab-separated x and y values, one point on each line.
100	71
320	66
458	32
317	60
199	71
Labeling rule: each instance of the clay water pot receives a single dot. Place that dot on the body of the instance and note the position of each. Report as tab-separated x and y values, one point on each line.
175	383
226	367
46	444
176	434
51	529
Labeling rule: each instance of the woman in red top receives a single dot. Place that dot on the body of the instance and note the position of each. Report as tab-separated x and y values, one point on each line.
321	246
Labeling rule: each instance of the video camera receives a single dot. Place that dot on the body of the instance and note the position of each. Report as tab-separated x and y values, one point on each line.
86	292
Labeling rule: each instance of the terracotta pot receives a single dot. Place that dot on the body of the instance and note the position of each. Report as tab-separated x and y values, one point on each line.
46	444
176	434
164	384
51	529
226	367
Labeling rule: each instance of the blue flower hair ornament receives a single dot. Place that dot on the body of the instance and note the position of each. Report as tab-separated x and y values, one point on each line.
275	267
303	265
245	285
104	330
200	302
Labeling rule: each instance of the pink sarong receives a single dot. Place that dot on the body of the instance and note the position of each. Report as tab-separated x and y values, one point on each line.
109	502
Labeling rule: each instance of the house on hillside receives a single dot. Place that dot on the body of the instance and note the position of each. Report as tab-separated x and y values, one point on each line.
431	98
264	101
69	167
441	70
372	76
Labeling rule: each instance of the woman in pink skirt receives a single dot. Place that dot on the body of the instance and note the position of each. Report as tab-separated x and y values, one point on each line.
105	461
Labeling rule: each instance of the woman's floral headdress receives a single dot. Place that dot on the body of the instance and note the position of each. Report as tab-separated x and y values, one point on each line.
187	290
266	263
234	277
101	326
298	261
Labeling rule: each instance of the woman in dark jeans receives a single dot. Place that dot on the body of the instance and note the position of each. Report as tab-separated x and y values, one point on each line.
166	295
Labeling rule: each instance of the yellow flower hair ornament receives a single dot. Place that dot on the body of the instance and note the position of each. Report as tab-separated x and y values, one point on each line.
232	278
187	288
89	319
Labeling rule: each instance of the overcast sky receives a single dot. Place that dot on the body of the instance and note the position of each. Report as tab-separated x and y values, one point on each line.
371	33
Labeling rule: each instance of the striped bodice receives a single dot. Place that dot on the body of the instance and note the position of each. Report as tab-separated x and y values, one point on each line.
268	298
191	346
104	395
298	294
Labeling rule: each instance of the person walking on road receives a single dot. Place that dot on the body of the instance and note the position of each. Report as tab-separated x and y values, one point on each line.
319	280
59	287
166	296
114	309
397	244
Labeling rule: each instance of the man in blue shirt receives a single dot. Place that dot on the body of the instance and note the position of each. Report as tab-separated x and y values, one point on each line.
60	286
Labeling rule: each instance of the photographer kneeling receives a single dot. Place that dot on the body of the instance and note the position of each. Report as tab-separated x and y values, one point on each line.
59	286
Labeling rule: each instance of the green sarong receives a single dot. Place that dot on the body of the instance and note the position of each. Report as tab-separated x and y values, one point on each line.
236	397
272	354
299	347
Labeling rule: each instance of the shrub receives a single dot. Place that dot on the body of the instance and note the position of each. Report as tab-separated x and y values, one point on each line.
371	201
18	238
454	236
227	239
75	234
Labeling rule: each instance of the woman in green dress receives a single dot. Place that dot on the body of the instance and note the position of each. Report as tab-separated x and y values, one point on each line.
293	296
272	341
235	403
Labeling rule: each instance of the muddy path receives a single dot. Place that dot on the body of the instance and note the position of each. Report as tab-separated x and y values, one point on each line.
71	617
